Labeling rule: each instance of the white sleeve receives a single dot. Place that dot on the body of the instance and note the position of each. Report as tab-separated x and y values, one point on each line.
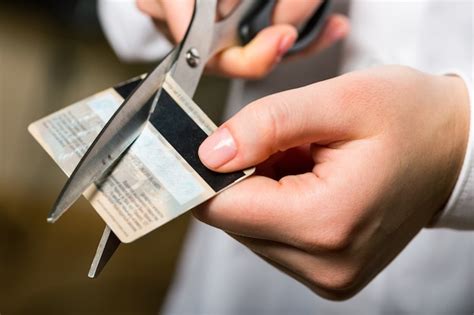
130	32
459	211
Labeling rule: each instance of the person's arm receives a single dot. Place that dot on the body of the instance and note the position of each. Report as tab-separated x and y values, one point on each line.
351	169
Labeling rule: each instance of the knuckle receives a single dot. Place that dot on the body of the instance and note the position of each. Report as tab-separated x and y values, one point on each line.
336	283
268	112
252	71
250	65
331	242
143	5
338	225
276	115
342	281
335	237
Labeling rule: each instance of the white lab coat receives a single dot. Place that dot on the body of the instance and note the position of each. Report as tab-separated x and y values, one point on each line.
435	273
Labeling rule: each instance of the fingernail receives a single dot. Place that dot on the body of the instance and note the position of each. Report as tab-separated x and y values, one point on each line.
285	44
218	149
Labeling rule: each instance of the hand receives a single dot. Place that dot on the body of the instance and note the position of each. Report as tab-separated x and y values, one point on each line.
258	57
350	170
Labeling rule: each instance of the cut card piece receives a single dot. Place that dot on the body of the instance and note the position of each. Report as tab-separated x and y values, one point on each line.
158	178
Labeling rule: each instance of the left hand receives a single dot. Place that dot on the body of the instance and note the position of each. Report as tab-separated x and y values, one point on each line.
350	170
257	58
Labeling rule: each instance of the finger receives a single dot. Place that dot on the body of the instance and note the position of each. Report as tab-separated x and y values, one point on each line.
295	12
225	7
277	123
258	57
272	252
178	16
319	210
152	8
336	28
261	207
330	276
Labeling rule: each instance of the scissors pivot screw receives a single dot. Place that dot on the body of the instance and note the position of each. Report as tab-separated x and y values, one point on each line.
192	57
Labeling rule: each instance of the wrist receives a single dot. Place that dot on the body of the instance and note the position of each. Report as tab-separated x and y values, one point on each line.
455	99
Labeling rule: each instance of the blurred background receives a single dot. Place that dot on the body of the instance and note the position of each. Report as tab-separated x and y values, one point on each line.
53	53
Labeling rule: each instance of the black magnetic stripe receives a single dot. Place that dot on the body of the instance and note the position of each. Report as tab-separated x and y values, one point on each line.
186	136
127	88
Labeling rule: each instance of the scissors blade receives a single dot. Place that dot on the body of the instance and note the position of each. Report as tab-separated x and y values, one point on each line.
107	246
118	134
188	77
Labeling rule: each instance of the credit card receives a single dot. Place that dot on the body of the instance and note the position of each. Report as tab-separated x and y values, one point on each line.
160	176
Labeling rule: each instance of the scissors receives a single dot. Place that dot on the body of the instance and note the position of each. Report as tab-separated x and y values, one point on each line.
185	63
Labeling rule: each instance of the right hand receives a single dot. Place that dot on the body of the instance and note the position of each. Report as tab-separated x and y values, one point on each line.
349	171
257	58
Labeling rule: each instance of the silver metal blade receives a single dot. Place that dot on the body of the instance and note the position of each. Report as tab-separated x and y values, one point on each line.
118	134
188	77
107	246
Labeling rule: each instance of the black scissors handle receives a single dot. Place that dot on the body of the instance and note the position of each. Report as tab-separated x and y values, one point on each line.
260	17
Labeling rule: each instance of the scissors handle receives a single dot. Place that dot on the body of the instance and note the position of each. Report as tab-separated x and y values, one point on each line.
260	17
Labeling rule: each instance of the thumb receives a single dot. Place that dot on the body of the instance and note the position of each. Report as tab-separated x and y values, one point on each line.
275	123
259	56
